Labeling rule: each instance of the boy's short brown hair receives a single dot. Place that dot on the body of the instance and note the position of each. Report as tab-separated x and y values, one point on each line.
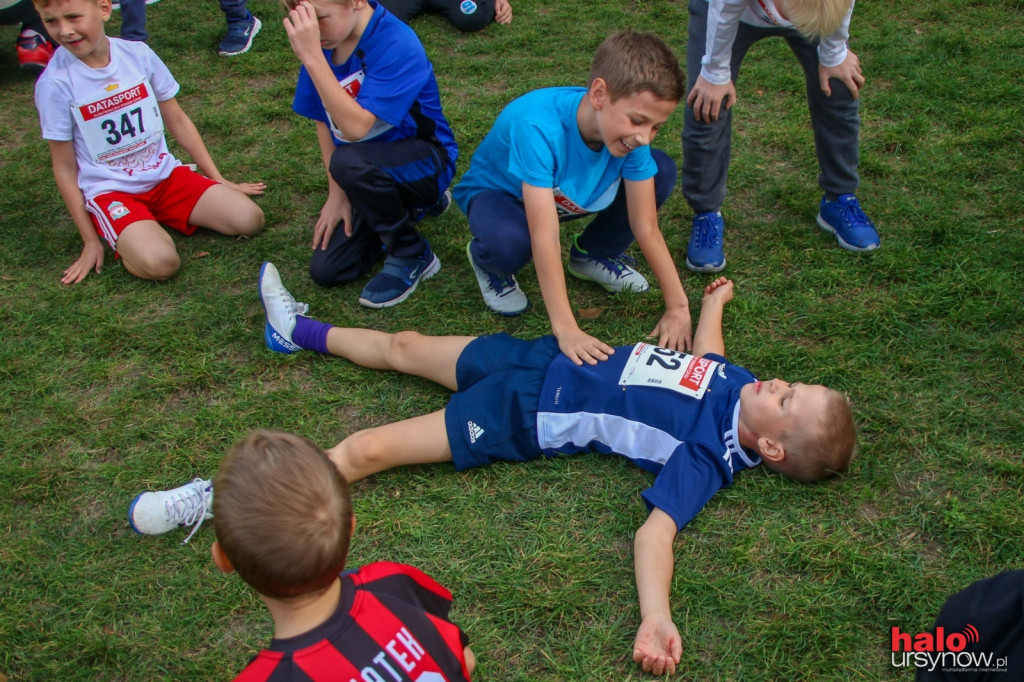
823	450
636	62
283	514
816	18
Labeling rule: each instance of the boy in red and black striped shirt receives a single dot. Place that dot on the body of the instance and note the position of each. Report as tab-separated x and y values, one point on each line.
283	517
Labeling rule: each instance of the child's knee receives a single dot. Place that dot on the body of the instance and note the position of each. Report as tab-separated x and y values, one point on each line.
157	265
250	219
402	349
361	452
347	166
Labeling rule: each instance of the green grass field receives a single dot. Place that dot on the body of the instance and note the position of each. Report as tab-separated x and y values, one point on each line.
117	385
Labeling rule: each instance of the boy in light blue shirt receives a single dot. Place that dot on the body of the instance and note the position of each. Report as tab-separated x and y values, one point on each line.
558	154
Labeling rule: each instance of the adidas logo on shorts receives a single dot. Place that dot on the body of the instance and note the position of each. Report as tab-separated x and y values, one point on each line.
474	431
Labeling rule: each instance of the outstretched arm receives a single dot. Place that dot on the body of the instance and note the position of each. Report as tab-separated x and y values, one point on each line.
708	338
658	646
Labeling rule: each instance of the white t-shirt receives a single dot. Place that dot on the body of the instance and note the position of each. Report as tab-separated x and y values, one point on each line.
112	114
724	17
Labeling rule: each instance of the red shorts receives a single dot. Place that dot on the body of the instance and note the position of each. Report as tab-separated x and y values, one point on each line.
169	203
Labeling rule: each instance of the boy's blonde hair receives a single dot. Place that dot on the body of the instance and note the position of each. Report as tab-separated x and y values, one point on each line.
822	450
43	4
283	514
637	62
815	18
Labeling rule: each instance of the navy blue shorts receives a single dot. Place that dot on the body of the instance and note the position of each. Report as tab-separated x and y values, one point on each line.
493	416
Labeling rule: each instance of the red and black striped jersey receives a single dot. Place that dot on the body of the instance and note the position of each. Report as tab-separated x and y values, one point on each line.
391	625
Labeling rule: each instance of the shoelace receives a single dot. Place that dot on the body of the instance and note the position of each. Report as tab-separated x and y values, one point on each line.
189	509
291	306
853	215
502	285
707	236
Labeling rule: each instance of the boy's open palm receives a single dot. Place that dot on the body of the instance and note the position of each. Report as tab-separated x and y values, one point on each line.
658	646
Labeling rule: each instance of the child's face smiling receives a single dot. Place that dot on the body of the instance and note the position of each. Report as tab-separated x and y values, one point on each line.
768	409
629	122
78	26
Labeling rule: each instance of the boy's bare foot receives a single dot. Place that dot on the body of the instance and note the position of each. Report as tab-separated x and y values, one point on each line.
719	290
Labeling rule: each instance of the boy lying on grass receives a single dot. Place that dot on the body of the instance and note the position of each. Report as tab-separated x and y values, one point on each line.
693	420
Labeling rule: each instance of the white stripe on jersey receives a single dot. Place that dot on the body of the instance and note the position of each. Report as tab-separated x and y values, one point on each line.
624	436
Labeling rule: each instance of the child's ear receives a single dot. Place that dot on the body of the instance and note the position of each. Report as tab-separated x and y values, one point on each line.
771	450
220	558
597	93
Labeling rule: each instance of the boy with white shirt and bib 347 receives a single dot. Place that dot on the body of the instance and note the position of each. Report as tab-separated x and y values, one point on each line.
104	104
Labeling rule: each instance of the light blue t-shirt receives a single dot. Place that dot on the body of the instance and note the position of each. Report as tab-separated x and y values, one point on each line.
536	140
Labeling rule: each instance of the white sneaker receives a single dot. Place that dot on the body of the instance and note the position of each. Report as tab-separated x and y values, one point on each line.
501	294
154	513
280	309
611	273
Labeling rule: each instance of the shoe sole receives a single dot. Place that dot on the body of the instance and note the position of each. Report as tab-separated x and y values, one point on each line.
503	313
271	337
823	224
252	36
430	271
131	512
709	268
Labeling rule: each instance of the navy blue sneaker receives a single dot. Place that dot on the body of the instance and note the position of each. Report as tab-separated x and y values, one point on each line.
844	218
240	36
704	252
441	207
398	279
280	309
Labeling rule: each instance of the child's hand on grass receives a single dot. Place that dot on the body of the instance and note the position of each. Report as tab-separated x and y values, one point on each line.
502	12
674	330
91	259
658	646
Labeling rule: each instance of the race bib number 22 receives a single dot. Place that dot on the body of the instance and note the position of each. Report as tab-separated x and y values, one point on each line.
663	368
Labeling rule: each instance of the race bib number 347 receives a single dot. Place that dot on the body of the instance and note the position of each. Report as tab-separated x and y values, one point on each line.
121	123
663	368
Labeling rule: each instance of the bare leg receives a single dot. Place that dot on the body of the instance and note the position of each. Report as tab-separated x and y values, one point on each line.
430	357
147	251
227	211
420	440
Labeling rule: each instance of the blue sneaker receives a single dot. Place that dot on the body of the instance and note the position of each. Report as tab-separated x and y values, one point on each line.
240	36
704	252
844	218
280	309
441	207
398	279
